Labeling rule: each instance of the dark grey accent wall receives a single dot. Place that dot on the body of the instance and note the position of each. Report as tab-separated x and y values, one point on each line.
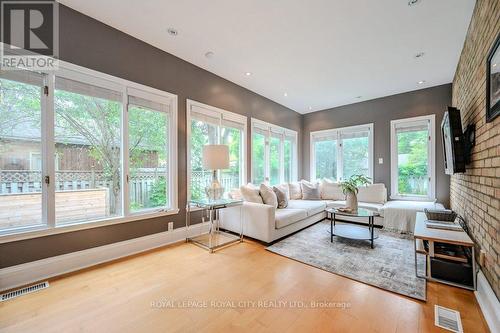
92	44
380	112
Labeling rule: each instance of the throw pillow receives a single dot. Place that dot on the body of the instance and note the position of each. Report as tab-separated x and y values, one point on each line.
295	191
268	195
375	193
251	193
284	187
310	191
281	196
331	190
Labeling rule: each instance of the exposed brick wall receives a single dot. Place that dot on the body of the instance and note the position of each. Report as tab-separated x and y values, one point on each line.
475	194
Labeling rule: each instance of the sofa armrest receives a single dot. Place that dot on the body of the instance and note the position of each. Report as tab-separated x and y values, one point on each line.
258	220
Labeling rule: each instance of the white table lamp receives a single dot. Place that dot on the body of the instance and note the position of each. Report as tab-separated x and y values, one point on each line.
215	157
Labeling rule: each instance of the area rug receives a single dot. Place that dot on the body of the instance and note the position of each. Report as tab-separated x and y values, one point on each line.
390	265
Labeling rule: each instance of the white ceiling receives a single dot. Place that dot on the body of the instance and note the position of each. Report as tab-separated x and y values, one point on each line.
322	53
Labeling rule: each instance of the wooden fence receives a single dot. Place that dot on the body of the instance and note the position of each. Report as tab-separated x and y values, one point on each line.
25	209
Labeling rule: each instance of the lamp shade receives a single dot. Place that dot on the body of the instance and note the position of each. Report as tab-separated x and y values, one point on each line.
215	157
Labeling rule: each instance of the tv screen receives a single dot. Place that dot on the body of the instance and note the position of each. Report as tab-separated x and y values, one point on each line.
453	142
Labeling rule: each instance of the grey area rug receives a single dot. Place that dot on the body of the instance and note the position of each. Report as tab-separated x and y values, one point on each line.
390	265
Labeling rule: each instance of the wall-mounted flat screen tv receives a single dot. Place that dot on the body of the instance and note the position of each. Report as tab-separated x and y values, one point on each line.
453	142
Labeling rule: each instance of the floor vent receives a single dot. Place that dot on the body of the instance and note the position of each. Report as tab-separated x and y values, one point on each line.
448	319
23	291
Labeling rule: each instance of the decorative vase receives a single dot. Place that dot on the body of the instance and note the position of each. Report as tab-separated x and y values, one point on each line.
351	201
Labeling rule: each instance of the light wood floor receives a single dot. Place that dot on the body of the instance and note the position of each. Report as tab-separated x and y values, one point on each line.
117	297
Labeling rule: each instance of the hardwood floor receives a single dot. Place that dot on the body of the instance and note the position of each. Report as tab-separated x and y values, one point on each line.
127	295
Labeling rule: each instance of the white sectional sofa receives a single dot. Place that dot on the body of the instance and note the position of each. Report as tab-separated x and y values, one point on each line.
267	223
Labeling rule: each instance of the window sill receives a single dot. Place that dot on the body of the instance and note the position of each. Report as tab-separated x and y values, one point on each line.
410	198
40	231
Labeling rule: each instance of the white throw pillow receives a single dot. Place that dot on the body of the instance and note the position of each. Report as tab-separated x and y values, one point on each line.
284	187
251	193
295	191
268	195
310	191
375	193
331	190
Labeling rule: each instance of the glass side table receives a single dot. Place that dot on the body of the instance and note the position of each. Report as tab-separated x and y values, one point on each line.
214	238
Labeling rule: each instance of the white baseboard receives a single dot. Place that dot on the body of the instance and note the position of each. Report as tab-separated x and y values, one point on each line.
23	274
488	301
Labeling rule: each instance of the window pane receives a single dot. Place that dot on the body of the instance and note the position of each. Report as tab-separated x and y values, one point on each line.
201	134
230	179
148	158
20	154
258	158
413	161
355	157
87	144
274	159
325	153
288	156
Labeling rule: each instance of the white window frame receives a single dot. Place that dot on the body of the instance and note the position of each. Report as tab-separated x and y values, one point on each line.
222	115
337	133
431	151
85	75
281	133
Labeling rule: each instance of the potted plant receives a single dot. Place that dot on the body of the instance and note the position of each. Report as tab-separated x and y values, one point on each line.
350	189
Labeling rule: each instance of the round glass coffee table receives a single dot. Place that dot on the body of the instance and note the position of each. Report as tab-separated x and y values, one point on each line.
352	229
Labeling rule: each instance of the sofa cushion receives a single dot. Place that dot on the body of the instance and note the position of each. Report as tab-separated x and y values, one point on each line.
330	190
312	207
289	216
268	195
310	191
295	191
367	205
251	193
281	196
376	193
284	187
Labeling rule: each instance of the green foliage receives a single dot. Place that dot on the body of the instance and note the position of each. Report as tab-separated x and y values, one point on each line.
412	162
158	197
351	185
326	159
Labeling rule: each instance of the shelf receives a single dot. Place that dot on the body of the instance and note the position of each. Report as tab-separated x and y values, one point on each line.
419	246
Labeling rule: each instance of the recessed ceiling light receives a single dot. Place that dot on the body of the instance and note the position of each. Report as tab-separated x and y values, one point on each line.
248	73
419	55
209	54
413	2
421	82
172	32
310	108
285	94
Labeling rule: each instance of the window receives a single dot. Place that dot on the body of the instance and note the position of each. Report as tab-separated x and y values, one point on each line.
87	139
149	132
274	153
89	146
21	184
412	158
338	154
210	125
